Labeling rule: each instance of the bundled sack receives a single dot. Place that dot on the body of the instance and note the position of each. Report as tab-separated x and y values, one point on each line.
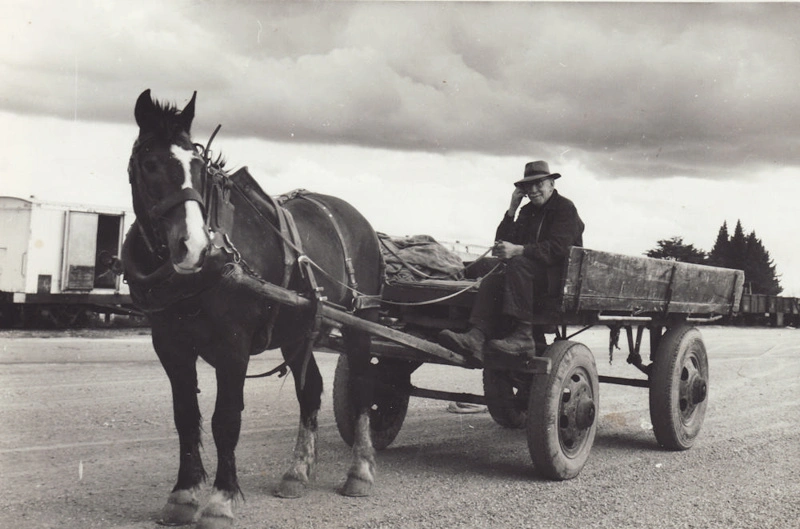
418	257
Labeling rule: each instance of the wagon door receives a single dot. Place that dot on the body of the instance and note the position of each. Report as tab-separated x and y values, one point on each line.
79	250
108	245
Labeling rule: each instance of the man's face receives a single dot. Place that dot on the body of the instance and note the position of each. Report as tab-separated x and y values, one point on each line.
539	192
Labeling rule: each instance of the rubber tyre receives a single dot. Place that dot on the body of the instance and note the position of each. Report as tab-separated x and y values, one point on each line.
502	385
562	411
680	364
386	418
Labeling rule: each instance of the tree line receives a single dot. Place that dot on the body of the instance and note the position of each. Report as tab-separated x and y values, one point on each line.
739	251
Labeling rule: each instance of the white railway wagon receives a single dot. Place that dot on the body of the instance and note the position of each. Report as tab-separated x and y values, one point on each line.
54	261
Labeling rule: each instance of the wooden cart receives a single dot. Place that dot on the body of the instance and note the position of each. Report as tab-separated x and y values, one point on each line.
554	395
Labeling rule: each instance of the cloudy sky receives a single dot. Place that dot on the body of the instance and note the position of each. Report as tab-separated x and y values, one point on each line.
665	119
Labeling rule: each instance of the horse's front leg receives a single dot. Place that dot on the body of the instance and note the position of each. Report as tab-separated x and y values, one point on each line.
361	475
182	504
308	385
226	425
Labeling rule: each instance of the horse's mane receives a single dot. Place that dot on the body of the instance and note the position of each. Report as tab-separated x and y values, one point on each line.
167	108
217	163
166	126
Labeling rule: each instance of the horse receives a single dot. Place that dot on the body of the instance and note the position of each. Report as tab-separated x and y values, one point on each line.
193	219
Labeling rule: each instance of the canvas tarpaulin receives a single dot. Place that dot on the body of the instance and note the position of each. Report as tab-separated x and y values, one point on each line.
416	257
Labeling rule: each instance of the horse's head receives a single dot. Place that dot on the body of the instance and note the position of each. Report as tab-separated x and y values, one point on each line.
167	177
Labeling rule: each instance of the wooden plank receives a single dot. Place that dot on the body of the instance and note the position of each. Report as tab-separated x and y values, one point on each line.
447	395
613	282
393	335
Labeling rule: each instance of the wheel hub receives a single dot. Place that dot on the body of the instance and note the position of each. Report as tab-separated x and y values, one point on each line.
577	412
585	413
698	390
692	388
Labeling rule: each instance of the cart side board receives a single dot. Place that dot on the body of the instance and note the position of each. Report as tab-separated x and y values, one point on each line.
598	282
604	281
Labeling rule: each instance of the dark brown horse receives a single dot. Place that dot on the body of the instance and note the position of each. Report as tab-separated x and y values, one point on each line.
192	220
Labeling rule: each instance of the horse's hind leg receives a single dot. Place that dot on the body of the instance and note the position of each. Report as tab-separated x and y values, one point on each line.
308	385
182	504
361	474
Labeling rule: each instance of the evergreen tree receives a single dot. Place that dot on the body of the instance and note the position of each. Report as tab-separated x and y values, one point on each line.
737	248
676	250
720	253
759	269
746	253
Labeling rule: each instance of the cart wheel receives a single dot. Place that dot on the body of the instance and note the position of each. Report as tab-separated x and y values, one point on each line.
388	409
679	388
562	411
506	395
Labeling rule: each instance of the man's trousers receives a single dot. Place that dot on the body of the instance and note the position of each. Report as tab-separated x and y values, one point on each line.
509	292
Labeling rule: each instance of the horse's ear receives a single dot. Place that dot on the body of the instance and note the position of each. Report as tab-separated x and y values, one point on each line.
187	114
144	109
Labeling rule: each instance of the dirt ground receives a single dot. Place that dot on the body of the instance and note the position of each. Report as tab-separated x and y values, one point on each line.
87	441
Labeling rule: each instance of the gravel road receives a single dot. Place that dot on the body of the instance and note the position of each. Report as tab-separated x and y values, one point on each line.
87	441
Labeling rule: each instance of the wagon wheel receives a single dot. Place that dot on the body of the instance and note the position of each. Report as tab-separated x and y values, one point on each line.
562	411
389	406
506	395
679	388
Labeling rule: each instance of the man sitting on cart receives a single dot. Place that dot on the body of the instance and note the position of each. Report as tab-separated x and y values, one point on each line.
533	249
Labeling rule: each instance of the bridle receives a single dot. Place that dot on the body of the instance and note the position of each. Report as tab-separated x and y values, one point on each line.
211	177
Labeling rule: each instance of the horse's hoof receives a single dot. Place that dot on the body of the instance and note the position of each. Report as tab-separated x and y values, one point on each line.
214	522
181	509
356	487
290	488
218	512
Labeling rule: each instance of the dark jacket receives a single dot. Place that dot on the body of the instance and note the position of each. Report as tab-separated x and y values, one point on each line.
546	233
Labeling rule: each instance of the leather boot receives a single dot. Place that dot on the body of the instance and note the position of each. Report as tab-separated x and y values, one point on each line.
518	343
470	342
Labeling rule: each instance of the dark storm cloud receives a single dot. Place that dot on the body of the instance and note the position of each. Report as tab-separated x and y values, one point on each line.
628	89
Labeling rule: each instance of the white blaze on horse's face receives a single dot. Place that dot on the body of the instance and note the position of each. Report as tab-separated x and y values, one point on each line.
196	238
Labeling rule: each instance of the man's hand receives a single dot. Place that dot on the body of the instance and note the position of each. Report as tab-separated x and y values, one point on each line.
516	200
506	250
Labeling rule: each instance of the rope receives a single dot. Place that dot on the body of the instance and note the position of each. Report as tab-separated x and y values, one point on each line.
484	254
399	303
443	298
355	291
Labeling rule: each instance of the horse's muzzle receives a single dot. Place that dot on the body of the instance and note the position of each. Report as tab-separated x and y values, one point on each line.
193	268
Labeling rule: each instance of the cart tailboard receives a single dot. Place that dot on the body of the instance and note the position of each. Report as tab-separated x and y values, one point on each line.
605	281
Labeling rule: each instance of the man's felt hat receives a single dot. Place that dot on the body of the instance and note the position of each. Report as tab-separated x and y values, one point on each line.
536	171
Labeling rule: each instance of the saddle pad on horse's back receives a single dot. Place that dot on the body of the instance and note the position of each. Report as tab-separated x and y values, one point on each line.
247	185
266	206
